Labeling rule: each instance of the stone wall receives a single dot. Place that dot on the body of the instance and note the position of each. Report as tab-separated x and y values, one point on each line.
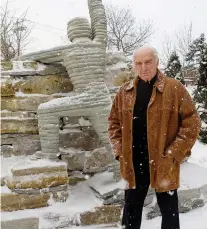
27	84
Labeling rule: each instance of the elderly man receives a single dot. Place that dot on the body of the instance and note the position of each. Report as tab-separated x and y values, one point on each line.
153	124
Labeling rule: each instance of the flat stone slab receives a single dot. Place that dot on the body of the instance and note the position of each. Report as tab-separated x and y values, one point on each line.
14	201
105	188
15	125
105	185
25	223
29	167
38	181
37	174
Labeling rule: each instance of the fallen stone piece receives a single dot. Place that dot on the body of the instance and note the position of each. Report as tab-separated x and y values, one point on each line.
101	215
104	186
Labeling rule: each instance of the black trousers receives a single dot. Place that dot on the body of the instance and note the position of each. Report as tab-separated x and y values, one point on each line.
134	201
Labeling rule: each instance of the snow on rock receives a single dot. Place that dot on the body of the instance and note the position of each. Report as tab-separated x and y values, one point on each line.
21	94
191	89
83	122
9	162
24	68
28	163
81	199
4	190
104	183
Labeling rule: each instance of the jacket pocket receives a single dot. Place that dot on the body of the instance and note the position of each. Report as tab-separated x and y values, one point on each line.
168	172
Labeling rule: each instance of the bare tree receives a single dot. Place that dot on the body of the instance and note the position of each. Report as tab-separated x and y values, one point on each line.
14	33
184	39
167	49
124	33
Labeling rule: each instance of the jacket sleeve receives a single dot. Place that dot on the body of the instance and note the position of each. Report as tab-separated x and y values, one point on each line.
189	127
114	128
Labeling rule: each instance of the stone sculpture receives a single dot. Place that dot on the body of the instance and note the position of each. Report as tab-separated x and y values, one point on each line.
85	61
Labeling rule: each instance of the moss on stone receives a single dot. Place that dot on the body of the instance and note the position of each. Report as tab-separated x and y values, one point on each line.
6	65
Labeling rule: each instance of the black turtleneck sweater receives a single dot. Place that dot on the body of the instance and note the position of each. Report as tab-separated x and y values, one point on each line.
140	147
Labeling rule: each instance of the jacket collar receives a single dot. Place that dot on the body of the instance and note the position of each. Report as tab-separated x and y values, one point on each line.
159	84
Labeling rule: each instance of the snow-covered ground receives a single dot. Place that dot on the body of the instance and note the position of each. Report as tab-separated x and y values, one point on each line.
195	219
199	154
82	198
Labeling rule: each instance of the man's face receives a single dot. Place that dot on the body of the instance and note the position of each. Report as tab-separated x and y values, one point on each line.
145	64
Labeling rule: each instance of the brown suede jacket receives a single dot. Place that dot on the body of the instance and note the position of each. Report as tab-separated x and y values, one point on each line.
173	126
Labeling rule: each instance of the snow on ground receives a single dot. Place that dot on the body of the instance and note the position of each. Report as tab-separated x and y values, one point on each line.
191	89
194	219
6	163
81	197
199	154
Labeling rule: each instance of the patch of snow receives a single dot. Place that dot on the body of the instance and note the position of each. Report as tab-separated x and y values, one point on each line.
199	154
65	131
8	162
21	94
4	190
34	177
72	125
24	162
84	122
198	172
16	118
204	125
191	89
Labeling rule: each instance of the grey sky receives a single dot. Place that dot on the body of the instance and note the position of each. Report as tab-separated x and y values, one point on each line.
168	16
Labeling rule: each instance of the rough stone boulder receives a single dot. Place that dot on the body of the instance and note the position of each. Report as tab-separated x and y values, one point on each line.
7	89
47	85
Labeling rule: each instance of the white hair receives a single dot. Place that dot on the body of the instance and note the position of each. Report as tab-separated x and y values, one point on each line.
154	51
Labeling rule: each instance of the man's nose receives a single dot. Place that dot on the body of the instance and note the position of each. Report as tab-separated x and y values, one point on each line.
144	66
